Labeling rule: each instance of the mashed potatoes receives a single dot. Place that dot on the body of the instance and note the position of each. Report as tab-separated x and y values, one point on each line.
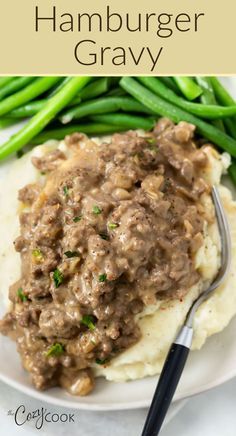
158	323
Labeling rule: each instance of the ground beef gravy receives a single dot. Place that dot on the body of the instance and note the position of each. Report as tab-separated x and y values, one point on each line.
112	229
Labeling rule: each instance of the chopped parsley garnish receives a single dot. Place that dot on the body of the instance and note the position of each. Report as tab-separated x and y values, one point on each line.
153	145
76	219
37	253
151	140
112	225
104	236
70	254
102	361
22	295
102	278
66	190
57	277
55	350
97	210
88	320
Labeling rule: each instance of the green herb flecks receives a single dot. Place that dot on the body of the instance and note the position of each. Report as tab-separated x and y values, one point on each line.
37	254
152	144
66	191
55	350
104	236
112	226
88	321
97	210
102	361
70	254
76	219
22	295
102	278
57	277
151	141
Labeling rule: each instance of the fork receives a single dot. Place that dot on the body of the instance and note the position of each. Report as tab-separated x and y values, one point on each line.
179	350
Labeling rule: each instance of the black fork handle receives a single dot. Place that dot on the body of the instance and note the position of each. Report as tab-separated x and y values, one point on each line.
168	382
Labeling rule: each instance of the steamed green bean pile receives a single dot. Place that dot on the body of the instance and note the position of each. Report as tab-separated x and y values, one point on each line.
54	107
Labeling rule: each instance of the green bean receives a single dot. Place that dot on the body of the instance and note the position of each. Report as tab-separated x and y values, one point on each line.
230	124
94	89
32	108
28	110
88	129
232	171
221	93
101	106
39	121
225	99
127	121
114	80
15	85
163	108
170	83
208	97
116	92
59	85
188	87
29	93
6	122
202	111
5	80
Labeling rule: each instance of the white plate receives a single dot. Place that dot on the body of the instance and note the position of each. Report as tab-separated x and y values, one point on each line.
205	369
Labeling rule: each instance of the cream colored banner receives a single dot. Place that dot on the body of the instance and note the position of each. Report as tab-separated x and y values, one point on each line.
117	37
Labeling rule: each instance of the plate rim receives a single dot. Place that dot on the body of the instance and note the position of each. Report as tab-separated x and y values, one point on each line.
103	407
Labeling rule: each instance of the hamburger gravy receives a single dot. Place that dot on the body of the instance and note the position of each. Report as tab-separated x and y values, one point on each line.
109	231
